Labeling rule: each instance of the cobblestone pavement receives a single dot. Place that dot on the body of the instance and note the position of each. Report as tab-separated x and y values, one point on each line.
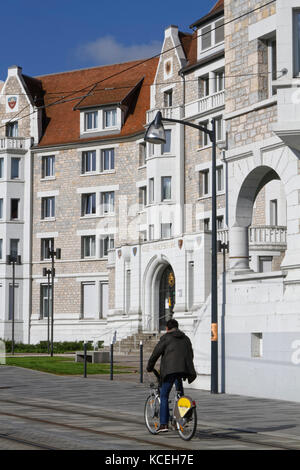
40	411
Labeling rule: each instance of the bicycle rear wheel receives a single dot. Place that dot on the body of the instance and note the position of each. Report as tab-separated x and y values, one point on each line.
151	413
188	427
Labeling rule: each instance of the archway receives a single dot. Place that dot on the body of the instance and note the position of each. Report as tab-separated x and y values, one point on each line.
154	290
166	296
251	187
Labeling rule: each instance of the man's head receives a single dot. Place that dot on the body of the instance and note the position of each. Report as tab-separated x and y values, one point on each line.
171	324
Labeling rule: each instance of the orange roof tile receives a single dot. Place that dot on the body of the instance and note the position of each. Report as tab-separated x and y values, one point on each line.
61	120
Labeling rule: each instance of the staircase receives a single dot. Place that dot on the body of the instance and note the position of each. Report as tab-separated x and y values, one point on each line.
130	346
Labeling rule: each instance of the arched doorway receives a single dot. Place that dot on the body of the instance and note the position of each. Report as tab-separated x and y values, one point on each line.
166	296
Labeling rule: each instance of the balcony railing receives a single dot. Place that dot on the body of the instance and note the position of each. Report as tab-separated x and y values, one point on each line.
174	112
17	143
261	236
205	104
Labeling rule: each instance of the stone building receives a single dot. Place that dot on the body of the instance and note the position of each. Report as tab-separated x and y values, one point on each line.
133	220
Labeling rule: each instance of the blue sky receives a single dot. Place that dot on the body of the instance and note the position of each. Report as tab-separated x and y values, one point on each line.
49	37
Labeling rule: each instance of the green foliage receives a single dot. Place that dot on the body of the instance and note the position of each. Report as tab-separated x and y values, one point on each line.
42	347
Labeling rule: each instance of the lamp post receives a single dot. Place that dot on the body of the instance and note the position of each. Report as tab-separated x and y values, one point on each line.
155	134
52	254
13	259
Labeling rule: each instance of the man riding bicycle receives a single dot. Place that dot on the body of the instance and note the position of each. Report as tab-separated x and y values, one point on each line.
177	356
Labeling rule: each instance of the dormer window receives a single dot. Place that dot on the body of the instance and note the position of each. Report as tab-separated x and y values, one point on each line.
90	120
110	118
211	35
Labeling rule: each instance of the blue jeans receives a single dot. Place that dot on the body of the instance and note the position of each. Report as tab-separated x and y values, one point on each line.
164	395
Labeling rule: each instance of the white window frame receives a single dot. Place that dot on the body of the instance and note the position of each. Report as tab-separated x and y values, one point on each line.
110	240
45	205
111	159
107	112
164	189
15	159
85	198
90	157
168	229
44	247
167	147
95	120
151	193
204	182
45	166
108	208
18	209
91	239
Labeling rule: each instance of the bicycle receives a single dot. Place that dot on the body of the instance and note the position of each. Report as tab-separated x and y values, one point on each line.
183	414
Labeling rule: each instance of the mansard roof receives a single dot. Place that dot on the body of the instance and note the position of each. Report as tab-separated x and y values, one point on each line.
64	94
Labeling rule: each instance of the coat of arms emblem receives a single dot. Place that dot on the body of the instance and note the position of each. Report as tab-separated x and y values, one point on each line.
12	101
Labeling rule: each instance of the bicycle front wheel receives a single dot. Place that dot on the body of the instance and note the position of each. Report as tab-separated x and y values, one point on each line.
151	413
188	426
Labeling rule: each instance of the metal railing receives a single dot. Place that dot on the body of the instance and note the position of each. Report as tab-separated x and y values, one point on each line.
204	104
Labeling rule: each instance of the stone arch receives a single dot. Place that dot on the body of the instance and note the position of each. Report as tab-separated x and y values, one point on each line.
250	187
150	291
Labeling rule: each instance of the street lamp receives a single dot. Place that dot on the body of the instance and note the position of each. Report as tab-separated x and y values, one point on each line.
51	253
13	259
155	134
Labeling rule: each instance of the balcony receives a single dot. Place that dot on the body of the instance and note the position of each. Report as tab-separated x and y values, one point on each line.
261	237
206	104
174	112
13	143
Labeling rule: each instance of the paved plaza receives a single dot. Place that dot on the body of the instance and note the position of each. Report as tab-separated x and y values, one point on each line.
41	411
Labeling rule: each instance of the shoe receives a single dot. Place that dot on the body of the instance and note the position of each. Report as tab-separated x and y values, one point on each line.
162	428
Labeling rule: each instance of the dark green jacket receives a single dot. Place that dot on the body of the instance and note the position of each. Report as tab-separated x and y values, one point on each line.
177	356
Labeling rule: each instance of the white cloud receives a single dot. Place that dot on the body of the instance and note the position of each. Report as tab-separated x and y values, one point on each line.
107	50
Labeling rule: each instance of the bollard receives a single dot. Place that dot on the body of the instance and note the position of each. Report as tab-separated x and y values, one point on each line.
85	359
111	361
141	362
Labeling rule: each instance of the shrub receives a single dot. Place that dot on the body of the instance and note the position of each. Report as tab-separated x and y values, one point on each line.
42	347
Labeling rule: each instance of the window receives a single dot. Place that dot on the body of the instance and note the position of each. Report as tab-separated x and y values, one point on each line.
273	212
88	161
206	37
89	300
142	154
265	264
166	148
256	344
219	129
220	222
272	68
143	197
151	190
151	150
48	207
296	42
47	244
110	118
219	81
107	159
168	99
143	235
151	232
103	299
12	129
14	209
13	302
14	247
88	204
46	300
106	243
15	168
108	202
90	120
88	246
1	248
206	225
203	183
220	178
166	230
203	137
128	291
219	31
166	188
1	167
48	166
203	86
1	208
